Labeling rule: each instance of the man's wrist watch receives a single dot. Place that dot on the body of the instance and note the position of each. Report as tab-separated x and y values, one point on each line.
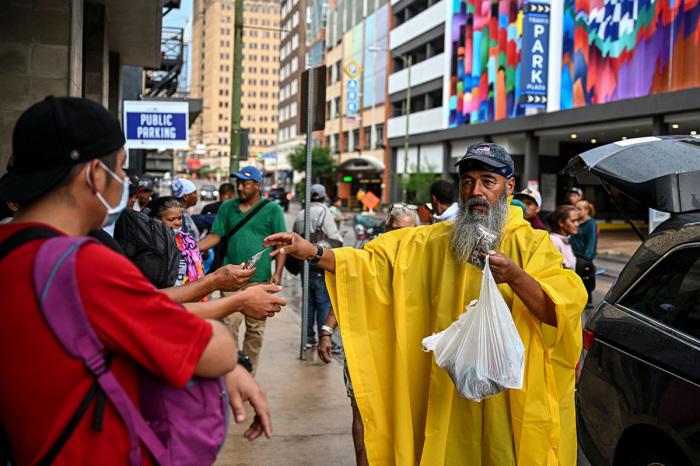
319	253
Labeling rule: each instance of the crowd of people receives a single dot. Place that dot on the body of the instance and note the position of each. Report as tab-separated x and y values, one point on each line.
66	179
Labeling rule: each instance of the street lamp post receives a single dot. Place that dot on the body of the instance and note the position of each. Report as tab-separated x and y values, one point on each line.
408	61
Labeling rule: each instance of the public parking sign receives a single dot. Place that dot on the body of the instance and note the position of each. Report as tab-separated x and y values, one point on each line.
156	125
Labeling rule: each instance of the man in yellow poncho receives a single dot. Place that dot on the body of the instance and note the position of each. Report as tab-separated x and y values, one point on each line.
411	283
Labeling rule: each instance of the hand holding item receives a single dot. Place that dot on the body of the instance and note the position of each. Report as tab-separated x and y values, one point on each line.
233	277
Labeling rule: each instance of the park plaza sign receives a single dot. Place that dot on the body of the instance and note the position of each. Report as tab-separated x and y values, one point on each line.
156	124
535	46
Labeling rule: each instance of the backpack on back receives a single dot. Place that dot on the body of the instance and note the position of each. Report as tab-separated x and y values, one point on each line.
185	426
150	245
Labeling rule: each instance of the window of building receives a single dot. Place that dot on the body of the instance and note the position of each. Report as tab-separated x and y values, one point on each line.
293	109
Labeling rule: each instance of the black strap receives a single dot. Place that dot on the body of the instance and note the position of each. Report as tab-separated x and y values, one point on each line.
240	224
24	236
50	456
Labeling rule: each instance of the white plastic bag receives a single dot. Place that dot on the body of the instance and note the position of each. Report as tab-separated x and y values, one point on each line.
482	350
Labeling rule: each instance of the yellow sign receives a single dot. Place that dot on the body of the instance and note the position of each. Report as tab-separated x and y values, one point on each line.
352	69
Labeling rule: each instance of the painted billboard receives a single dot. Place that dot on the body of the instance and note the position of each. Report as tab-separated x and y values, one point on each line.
485	67
615	49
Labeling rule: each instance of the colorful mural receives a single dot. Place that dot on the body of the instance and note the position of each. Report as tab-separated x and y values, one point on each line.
619	49
485	54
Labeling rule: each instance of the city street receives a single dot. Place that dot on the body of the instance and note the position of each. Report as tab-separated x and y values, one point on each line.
611	261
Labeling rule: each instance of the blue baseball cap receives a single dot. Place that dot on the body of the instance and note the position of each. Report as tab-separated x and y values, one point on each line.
249	173
486	156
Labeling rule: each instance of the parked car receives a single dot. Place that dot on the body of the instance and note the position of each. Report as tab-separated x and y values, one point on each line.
638	397
209	193
278	195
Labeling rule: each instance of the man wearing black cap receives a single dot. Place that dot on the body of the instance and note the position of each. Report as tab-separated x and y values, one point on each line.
67	175
408	284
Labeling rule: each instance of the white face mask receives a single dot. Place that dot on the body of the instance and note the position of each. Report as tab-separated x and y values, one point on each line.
177	230
112	212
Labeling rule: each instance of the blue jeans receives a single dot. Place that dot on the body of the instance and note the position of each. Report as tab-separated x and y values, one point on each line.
319	302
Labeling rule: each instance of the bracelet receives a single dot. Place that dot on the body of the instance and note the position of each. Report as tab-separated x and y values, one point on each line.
327	329
325	335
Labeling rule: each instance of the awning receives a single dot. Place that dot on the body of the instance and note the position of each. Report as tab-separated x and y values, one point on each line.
362	163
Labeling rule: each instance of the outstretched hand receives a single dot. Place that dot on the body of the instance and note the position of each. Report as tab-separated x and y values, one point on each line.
291	244
241	388
260	301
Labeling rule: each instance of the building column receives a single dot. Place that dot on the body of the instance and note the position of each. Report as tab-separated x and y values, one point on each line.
447	168
658	126
532	159
394	189
96	54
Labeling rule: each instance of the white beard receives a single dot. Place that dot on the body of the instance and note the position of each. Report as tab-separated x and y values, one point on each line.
465	231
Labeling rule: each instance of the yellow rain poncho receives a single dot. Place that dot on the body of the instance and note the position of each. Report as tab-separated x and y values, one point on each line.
405	286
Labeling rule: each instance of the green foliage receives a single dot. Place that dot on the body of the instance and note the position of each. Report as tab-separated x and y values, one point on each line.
417	185
322	162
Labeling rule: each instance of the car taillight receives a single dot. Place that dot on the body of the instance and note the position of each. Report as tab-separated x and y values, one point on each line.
289	196
266	195
588	337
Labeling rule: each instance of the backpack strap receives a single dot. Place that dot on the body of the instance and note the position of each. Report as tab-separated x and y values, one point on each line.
240	224
24	236
56	289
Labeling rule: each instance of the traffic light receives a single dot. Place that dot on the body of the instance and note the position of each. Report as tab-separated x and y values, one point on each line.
259	155
347	179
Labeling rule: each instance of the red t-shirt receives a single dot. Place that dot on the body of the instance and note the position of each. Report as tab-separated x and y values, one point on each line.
42	385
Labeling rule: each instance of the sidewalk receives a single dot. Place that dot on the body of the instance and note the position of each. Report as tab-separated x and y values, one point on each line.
311	414
618	245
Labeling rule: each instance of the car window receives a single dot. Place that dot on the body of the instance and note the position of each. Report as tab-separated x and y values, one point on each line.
670	292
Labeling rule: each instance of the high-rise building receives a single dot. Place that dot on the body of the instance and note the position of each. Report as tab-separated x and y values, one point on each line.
212	80
358	60
293	61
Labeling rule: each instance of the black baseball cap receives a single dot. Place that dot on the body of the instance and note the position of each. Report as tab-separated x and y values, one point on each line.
50	138
486	156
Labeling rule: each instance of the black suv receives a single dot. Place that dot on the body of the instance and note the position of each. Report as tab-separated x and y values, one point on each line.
278	195
638	397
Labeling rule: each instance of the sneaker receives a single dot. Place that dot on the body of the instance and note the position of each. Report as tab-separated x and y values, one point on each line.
335	349
311	342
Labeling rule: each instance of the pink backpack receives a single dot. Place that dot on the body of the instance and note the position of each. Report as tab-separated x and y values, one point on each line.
178	427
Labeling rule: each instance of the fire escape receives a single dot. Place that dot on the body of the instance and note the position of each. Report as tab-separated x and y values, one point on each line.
162	82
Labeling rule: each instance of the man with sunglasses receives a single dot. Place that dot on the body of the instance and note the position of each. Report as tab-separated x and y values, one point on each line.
408	284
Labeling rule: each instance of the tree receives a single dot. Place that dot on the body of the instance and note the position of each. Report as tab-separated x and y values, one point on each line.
417	185
322	162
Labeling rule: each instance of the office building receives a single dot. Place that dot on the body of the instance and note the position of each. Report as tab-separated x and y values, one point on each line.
212	80
546	82
357	58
